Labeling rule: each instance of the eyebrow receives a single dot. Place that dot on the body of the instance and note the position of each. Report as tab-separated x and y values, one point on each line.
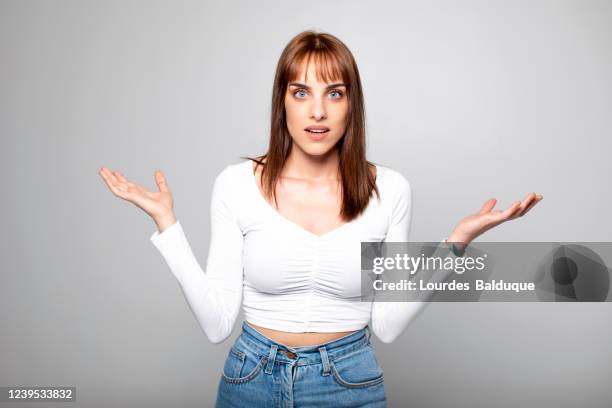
307	87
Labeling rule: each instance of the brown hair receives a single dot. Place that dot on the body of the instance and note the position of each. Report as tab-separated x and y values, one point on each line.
333	60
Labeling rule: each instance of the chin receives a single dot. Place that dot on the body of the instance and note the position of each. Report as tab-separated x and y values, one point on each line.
317	151
315	148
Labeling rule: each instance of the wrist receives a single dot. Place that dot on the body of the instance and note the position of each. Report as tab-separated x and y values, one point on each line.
459	238
458	242
165	221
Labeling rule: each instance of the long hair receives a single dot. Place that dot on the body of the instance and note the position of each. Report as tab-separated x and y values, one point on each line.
332	60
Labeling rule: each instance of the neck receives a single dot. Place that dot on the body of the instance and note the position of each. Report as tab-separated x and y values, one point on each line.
315	168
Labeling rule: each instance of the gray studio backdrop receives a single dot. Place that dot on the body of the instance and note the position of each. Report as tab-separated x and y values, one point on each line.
469	100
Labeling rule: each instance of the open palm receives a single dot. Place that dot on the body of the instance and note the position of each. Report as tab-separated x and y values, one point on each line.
475	224
155	203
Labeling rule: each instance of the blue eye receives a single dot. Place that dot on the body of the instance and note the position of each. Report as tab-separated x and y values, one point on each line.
334	91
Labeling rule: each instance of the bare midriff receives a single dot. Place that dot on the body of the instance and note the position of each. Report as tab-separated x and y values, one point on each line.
300	339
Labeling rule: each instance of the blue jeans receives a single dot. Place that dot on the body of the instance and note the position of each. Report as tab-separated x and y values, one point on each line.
260	372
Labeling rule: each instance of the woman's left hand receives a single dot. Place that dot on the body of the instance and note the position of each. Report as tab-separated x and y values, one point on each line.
474	225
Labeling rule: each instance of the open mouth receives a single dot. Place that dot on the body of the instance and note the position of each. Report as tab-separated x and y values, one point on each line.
317	132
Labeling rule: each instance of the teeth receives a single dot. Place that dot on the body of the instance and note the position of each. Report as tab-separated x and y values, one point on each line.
317	131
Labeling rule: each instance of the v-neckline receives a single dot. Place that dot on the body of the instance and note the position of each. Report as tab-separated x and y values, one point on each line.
287	220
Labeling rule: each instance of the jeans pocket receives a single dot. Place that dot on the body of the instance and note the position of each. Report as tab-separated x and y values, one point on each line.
241	367
357	370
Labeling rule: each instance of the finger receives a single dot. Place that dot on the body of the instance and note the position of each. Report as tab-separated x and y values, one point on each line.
497	217
528	199
120	176
112	184
117	190
161	182
512	211
526	203
532	204
500	216
123	182
108	175
117	185
488	206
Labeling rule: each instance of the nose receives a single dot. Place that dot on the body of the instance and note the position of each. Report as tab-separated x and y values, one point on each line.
318	109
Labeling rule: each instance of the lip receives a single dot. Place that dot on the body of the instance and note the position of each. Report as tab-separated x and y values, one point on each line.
316	136
317	127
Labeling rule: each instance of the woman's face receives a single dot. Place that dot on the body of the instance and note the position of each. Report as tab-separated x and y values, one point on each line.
312	106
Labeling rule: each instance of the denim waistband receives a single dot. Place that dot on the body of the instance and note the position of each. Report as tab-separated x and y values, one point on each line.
262	346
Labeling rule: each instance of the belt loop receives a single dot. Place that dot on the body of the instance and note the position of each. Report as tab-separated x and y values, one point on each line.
271	358
368	332
325	360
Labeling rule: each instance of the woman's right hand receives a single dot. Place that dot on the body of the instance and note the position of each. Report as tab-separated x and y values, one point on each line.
157	204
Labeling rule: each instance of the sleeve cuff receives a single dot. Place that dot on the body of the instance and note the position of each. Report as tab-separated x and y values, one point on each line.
158	239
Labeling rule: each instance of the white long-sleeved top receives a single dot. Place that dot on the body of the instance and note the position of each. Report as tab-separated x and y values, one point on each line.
286	277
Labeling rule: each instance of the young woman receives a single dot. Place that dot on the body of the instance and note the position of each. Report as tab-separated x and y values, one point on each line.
286	229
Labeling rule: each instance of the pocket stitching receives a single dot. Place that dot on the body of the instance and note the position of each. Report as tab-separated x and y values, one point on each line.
347	384
238	353
250	376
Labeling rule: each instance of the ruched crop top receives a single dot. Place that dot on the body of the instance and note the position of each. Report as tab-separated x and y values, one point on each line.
286	277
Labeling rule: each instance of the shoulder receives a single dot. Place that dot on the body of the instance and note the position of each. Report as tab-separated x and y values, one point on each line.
231	180
397	196
234	173
392	181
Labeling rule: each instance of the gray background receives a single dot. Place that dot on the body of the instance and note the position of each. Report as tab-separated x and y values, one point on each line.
469	100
